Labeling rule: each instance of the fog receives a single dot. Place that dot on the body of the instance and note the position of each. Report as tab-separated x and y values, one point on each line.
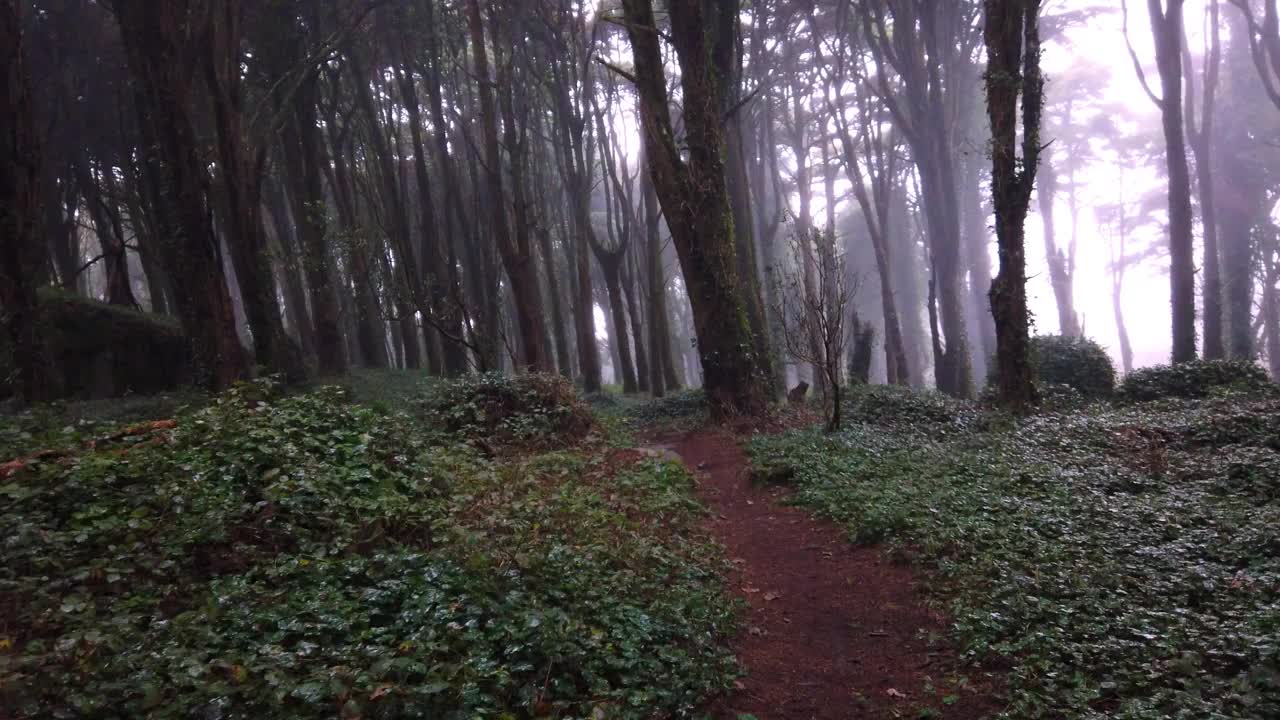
458	187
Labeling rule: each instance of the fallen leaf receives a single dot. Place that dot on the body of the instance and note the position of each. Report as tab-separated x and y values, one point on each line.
771	596
893	693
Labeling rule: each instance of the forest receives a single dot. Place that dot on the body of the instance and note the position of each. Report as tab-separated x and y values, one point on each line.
744	359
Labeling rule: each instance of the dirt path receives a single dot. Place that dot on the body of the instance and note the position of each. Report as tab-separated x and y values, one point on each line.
833	631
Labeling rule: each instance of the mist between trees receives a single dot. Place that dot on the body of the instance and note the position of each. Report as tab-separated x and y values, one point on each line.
620	192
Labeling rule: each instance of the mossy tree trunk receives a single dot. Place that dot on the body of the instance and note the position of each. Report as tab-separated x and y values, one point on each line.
1013	73
695	197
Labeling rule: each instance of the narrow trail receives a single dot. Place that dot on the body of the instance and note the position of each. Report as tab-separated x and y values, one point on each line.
833	631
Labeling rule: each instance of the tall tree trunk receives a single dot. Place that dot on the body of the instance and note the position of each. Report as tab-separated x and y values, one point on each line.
371	333
304	156
1200	135
290	268
695	200
727	57
455	357
574	135
156	48
542	231
1059	277
635	313
411	296
1240	188
618	321
806	235
1166	26
662	371
239	170
1013	69
22	251
516	258
925	47
444	327
975	240
109	228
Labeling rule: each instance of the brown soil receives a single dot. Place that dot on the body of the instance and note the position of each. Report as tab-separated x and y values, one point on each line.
832	630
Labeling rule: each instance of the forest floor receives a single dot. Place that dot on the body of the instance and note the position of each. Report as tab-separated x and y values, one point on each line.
832	630
932	559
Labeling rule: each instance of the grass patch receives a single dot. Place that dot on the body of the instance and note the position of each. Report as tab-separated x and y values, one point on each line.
307	556
1120	562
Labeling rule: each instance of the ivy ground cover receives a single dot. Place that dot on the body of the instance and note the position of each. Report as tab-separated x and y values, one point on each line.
1120	561
306	556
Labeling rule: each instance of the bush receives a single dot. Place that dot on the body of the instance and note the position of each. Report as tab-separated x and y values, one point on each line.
99	350
1076	362
1194	379
521	412
305	557
894	406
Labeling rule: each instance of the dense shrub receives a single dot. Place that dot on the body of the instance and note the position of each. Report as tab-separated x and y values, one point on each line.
526	411
1076	362
893	406
306	557
99	350
1194	379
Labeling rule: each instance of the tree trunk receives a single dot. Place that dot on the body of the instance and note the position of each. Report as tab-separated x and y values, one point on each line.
22	251
1239	186
371	333
662	370
239	169
975	241
304	156
443	326
727	57
634	313
1271	317
516	257
1059	278
411	296
1201	139
455	356
290	268
1013	70
1166	24
613	285
109	228
695	199
160	64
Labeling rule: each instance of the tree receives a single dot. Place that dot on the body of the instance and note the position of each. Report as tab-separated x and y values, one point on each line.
1201	138
21	249
925	43
1013	71
815	307
159	42
878	150
1166	29
695	199
517	256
